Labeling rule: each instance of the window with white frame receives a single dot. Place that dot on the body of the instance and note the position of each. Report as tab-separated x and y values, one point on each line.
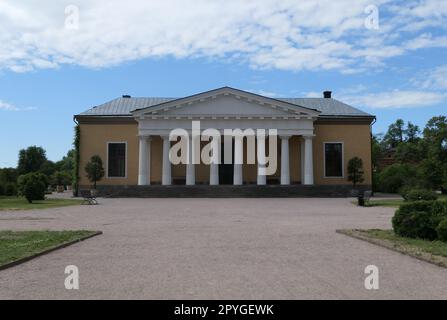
116	157
333	159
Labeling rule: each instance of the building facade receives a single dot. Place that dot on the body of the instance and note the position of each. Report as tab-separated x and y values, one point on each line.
316	137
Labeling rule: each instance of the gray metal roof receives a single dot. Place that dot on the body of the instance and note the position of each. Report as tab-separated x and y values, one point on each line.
327	107
124	106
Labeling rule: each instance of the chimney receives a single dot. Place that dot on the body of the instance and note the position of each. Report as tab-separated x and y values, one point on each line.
126	96
327	94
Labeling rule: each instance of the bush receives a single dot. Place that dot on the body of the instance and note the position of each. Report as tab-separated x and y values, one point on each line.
32	186
442	230
415	224
355	171
10	189
415	194
94	170
394	177
419	219
2	190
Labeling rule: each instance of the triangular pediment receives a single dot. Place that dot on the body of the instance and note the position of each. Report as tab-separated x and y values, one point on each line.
226	102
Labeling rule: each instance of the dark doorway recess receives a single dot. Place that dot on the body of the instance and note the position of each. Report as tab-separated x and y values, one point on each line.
225	170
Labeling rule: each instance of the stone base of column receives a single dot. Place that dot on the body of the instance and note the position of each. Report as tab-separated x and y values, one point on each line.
237	178
214	174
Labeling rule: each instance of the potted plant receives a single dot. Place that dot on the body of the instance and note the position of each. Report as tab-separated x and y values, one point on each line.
95	172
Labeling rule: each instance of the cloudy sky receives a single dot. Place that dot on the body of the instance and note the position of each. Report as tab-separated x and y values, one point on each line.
58	58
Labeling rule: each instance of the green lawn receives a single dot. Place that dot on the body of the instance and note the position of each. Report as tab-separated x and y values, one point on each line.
15	245
19	203
431	251
393	203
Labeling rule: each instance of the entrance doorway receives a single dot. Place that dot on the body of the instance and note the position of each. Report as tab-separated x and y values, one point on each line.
226	171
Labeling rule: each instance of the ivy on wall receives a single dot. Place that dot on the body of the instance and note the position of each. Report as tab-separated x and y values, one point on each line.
76	144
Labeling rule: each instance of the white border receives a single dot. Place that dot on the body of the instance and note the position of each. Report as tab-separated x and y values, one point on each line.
342	160
107	163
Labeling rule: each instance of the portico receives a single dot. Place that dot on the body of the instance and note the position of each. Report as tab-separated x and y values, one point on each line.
224	110
144	165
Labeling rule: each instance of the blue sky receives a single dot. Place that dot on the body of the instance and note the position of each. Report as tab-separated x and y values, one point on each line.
57	60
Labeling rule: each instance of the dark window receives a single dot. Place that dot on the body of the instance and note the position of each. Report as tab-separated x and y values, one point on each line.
117	160
333	156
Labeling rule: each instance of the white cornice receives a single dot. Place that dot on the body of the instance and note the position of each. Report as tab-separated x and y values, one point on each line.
226	117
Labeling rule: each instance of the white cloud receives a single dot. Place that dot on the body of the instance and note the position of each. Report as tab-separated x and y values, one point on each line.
435	79
395	99
281	34
10	107
265	93
313	94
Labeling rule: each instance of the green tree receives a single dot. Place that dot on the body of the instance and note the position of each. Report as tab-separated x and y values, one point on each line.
32	186
376	150
412	133
94	170
411	152
394	177
61	178
67	162
8	175
31	159
395	134
355	171
48	168
435	164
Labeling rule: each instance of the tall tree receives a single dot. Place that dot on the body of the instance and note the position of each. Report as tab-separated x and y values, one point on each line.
435	164
395	134
8	175
376	150
31	159
67	162
412	132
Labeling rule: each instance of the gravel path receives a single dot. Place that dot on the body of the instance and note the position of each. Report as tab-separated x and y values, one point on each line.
218	249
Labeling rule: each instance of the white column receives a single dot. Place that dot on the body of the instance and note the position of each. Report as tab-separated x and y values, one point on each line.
214	170
190	167
285	168
166	175
308	161
260	143
143	161
302	160
238	159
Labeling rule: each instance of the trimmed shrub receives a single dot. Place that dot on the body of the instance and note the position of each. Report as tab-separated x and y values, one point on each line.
416	194
419	219
415	224
442	230
10	189
94	170
438	212
32	186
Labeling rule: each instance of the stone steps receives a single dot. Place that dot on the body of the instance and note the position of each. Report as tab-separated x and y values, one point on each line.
228	191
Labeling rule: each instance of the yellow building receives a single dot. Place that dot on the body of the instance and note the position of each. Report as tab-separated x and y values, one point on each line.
315	138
